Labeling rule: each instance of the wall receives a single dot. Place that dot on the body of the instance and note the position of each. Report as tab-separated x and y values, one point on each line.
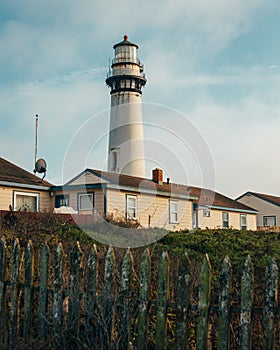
215	220
73	199
155	206
264	208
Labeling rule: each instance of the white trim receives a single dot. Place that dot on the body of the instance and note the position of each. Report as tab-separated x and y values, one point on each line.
172	212
244	216
128	216
89	195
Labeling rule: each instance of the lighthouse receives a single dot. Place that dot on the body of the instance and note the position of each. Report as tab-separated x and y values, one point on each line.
126	141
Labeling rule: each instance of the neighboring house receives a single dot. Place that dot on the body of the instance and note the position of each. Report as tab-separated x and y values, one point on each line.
23	191
268	207
152	202
214	210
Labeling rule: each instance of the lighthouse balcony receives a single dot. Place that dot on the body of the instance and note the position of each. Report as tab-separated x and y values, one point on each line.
126	71
127	60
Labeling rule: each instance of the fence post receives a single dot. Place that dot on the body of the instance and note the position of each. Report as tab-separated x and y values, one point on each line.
13	296
182	302
224	305
145	269
91	296
57	296
203	303
270	303
163	289
246	305
107	305
2	288
28	281
74	292
43	291
123	324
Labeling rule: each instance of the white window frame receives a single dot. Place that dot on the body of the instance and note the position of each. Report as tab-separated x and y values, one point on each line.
269	217
225	212
89	195
243	227
27	194
173	212
130	208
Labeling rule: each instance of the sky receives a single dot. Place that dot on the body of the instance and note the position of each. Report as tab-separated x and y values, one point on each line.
211	102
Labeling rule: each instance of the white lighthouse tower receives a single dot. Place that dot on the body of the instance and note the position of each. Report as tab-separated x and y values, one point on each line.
126	79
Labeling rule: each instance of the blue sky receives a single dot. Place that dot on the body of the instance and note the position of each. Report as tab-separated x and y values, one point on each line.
217	63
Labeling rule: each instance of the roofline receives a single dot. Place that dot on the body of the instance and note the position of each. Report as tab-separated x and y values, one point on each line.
231	209
77	187
20	185
260	197
154	192
114	186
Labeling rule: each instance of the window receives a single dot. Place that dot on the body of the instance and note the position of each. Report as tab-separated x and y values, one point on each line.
61	200
114	159
269	220
85	201
26	201
206	213
225	219
243	222
173	212
131	207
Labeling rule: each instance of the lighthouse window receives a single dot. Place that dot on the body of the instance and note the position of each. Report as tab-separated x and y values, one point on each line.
122	83
131	207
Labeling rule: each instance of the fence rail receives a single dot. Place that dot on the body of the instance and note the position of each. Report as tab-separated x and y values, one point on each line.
49	301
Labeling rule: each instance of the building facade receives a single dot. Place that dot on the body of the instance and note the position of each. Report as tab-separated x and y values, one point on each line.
268	207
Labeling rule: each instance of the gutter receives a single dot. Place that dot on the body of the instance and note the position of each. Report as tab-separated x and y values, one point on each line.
26	186
228	209
152	192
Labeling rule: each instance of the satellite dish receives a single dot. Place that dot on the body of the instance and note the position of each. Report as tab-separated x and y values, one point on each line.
40	167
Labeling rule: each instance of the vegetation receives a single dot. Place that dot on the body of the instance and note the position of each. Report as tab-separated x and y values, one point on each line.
52	229
237	245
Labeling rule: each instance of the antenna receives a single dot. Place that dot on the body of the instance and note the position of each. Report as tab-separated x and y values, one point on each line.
40	165
36	141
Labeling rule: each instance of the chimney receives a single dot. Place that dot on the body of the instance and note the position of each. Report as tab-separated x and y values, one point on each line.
157	176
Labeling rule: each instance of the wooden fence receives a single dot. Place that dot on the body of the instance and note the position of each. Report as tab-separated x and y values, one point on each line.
48	301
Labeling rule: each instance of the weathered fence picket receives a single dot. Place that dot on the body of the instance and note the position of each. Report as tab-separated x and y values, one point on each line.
28	282
74	291
89	301
13	295
2	286
163	289
43	291
57	308
270	303
107	306
142	322
123	321
182	293
203	303
245	341
224	305
91	330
